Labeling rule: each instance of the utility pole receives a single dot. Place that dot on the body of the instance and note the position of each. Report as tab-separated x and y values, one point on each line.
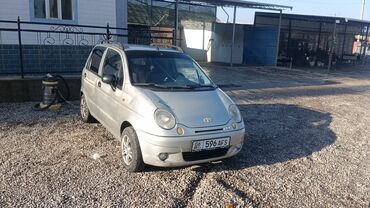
176	33
333	45
233	39
363	9
367	31
278	37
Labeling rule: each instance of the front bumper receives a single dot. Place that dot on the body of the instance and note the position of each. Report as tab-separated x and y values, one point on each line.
177	147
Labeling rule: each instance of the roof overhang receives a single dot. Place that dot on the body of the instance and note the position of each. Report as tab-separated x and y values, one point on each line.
357	21
314	18
242	4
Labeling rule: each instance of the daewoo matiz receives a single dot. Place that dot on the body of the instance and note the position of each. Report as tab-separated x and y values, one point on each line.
161	106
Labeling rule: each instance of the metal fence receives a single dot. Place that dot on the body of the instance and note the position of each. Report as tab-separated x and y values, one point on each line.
319	40
31	48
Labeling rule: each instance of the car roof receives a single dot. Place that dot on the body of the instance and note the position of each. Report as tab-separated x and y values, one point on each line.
133	47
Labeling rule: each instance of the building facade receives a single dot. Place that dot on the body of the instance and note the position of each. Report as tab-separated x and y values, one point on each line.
56	35
74	12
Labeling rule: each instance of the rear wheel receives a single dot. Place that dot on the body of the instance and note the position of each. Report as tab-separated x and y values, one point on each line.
131	153
85	112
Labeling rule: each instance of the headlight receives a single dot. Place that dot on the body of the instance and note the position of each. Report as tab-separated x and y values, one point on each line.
235	113
164	119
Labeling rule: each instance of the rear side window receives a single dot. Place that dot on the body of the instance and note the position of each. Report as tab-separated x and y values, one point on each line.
113	66
95	59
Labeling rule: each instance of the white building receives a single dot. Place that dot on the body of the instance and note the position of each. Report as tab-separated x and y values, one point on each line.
56	35
200	36
76	12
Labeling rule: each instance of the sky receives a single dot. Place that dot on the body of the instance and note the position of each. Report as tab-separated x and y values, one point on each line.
339	8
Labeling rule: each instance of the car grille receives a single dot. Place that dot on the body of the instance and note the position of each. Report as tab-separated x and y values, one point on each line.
208	130
203	155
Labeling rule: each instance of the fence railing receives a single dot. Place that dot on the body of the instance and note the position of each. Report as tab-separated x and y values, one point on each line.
39	47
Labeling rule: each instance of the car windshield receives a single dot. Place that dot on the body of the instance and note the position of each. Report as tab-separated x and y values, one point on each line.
166	70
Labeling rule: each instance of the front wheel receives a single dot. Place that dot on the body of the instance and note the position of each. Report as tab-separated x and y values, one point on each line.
131	153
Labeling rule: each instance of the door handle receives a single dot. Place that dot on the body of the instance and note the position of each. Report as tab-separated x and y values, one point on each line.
99	84
85	75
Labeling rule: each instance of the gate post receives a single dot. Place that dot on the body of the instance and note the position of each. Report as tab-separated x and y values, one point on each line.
108	33
20	46
173	37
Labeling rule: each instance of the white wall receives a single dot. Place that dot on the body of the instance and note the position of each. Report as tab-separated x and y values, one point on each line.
195	39
89	12
97	12
222	41
212	43
10	10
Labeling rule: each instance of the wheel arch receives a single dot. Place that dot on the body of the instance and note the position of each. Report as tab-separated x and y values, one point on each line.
124	125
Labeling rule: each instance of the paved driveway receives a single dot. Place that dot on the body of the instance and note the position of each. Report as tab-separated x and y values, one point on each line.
307	145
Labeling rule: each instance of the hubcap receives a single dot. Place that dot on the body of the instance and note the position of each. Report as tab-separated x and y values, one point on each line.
84	109
126	150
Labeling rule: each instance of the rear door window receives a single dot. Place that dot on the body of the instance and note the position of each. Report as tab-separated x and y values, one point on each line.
95	59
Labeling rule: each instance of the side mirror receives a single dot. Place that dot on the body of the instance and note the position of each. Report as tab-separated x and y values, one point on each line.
109	79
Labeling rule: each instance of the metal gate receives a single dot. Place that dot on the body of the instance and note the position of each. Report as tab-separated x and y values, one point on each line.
260	46
29	48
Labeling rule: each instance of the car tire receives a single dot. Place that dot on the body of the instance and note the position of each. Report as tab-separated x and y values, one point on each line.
131	152
85	112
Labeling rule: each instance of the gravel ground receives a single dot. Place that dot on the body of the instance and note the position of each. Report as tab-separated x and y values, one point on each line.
307	145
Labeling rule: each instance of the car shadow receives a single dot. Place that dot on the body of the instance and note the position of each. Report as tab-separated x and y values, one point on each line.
253	78
277	133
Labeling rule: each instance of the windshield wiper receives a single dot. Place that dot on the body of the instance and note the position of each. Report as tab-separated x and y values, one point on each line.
163	86
151	85
189	87
180	87
200	86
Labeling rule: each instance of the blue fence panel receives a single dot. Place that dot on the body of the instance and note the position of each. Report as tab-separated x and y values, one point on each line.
260	46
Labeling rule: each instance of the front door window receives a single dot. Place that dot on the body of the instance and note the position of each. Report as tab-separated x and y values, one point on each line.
113	66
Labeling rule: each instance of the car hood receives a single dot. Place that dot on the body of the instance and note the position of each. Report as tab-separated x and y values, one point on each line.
194	109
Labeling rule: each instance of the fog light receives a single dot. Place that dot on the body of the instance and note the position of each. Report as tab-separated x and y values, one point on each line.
233	125
163	156
180	131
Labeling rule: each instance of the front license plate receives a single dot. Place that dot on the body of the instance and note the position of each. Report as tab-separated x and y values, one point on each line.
209	144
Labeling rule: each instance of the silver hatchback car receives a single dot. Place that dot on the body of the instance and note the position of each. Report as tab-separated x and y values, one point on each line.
160	105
